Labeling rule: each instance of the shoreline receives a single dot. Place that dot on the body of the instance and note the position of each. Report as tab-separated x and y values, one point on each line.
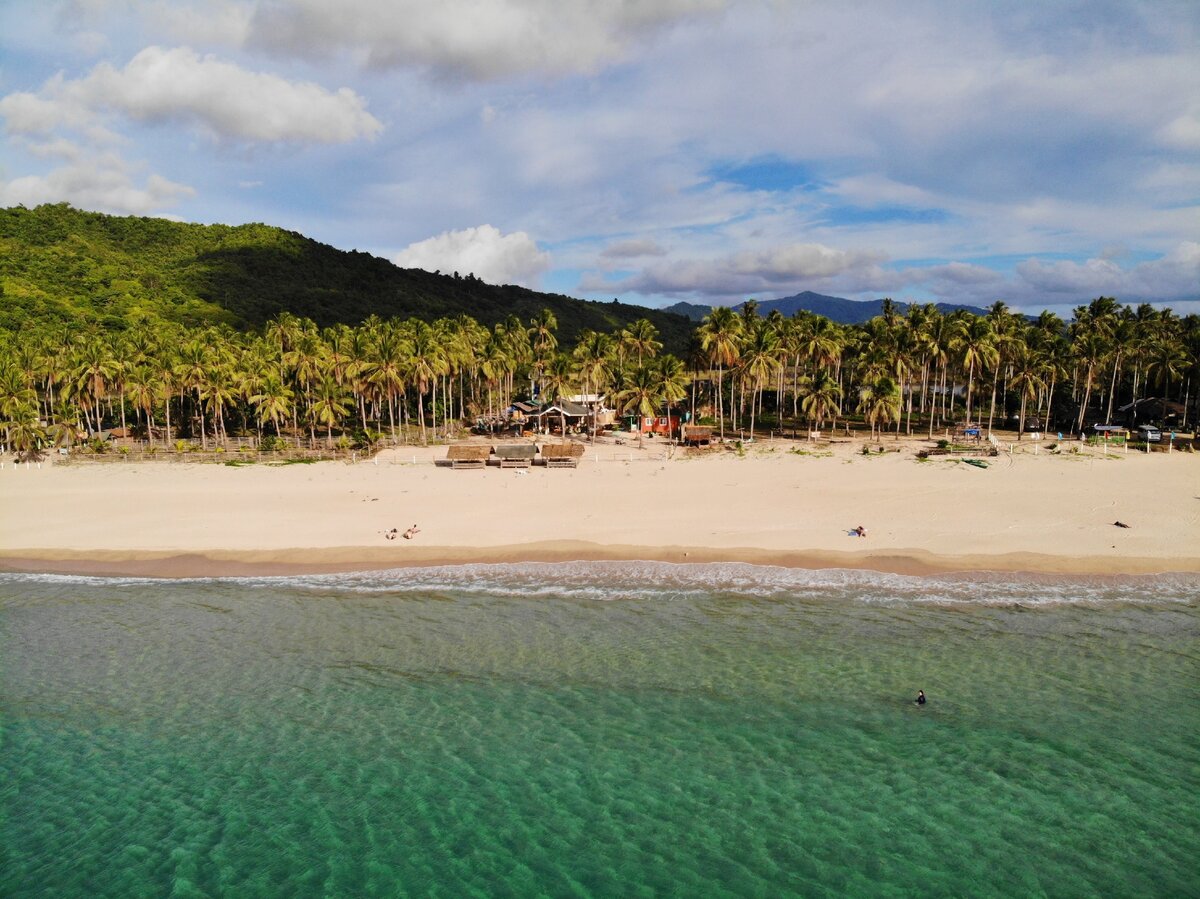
296	562
778	504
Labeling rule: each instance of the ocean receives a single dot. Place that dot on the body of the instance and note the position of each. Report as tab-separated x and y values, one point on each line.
600	729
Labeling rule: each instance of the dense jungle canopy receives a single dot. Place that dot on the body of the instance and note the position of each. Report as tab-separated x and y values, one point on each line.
192	336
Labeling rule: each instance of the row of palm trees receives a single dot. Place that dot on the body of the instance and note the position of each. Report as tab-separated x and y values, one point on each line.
410	379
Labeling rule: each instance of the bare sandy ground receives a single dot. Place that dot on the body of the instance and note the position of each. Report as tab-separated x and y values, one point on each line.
780	503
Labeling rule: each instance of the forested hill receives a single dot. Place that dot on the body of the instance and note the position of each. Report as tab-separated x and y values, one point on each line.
59	263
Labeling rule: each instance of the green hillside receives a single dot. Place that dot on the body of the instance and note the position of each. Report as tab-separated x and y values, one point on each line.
58	263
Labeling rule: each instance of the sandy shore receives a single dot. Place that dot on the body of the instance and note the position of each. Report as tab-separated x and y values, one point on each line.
781	504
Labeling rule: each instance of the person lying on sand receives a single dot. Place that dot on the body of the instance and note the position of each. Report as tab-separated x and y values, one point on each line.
411	532
859	531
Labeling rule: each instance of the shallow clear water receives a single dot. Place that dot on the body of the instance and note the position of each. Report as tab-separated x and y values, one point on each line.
599	730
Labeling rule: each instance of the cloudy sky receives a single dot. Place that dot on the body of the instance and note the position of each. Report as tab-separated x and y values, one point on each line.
652	150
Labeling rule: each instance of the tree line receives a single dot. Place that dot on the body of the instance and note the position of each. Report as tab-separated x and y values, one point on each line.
395	380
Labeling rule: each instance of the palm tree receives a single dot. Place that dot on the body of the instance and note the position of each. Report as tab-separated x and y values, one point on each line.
329	405
760	360
594	353
671	378
1089	349
879	401
95	368
1028	379
719	334
426	361
191	373
640	394
273	401
26	435
560	380
976	347
821	395
386	371
641	337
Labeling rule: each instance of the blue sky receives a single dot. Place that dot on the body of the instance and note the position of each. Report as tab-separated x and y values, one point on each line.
700	150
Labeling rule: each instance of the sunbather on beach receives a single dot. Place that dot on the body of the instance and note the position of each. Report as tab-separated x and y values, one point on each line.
411	532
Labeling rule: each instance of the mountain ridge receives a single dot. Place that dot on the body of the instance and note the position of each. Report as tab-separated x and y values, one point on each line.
62	264
838	309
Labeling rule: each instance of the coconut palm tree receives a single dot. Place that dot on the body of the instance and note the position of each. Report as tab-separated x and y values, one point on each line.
760	359
273	401
25	433
1089	349
329	405
560	379
671	379
387	369
640	394
425	362
594	355
879	401
95	369
641	337
975	345
821	394
1029	369
719	333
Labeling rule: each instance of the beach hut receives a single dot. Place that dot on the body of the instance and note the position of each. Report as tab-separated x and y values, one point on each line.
468	455
516	455
561	412
666	425
697	435
562	455
601	416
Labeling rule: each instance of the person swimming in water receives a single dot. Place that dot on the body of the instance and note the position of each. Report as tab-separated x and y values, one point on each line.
920	697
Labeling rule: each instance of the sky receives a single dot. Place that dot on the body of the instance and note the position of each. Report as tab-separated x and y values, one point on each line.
710	151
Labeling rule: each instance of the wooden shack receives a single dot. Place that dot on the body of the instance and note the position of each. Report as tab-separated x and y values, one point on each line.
468	455
697	435
562	455
516	455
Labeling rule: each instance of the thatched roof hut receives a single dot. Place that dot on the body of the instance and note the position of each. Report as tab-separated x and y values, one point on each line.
562	455
697	435
468	455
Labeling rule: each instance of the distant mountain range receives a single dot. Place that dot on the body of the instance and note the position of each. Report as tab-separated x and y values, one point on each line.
838	309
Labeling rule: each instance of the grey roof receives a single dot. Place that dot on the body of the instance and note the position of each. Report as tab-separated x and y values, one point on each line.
516	450
572	409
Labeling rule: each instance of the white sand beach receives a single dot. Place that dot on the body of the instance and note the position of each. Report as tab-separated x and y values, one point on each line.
781	503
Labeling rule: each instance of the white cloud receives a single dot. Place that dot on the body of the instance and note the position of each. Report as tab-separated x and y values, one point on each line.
750	272
1183	132
632	249
1174	276
161	85
477	39
484	251
99	182
213	22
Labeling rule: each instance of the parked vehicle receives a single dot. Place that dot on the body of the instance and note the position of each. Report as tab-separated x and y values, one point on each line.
1149	433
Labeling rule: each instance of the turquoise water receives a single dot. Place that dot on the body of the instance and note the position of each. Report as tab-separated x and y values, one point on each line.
599	730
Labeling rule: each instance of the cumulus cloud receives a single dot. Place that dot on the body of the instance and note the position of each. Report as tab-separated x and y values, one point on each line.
104	183
1176	275
484	251
476	39
179	85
